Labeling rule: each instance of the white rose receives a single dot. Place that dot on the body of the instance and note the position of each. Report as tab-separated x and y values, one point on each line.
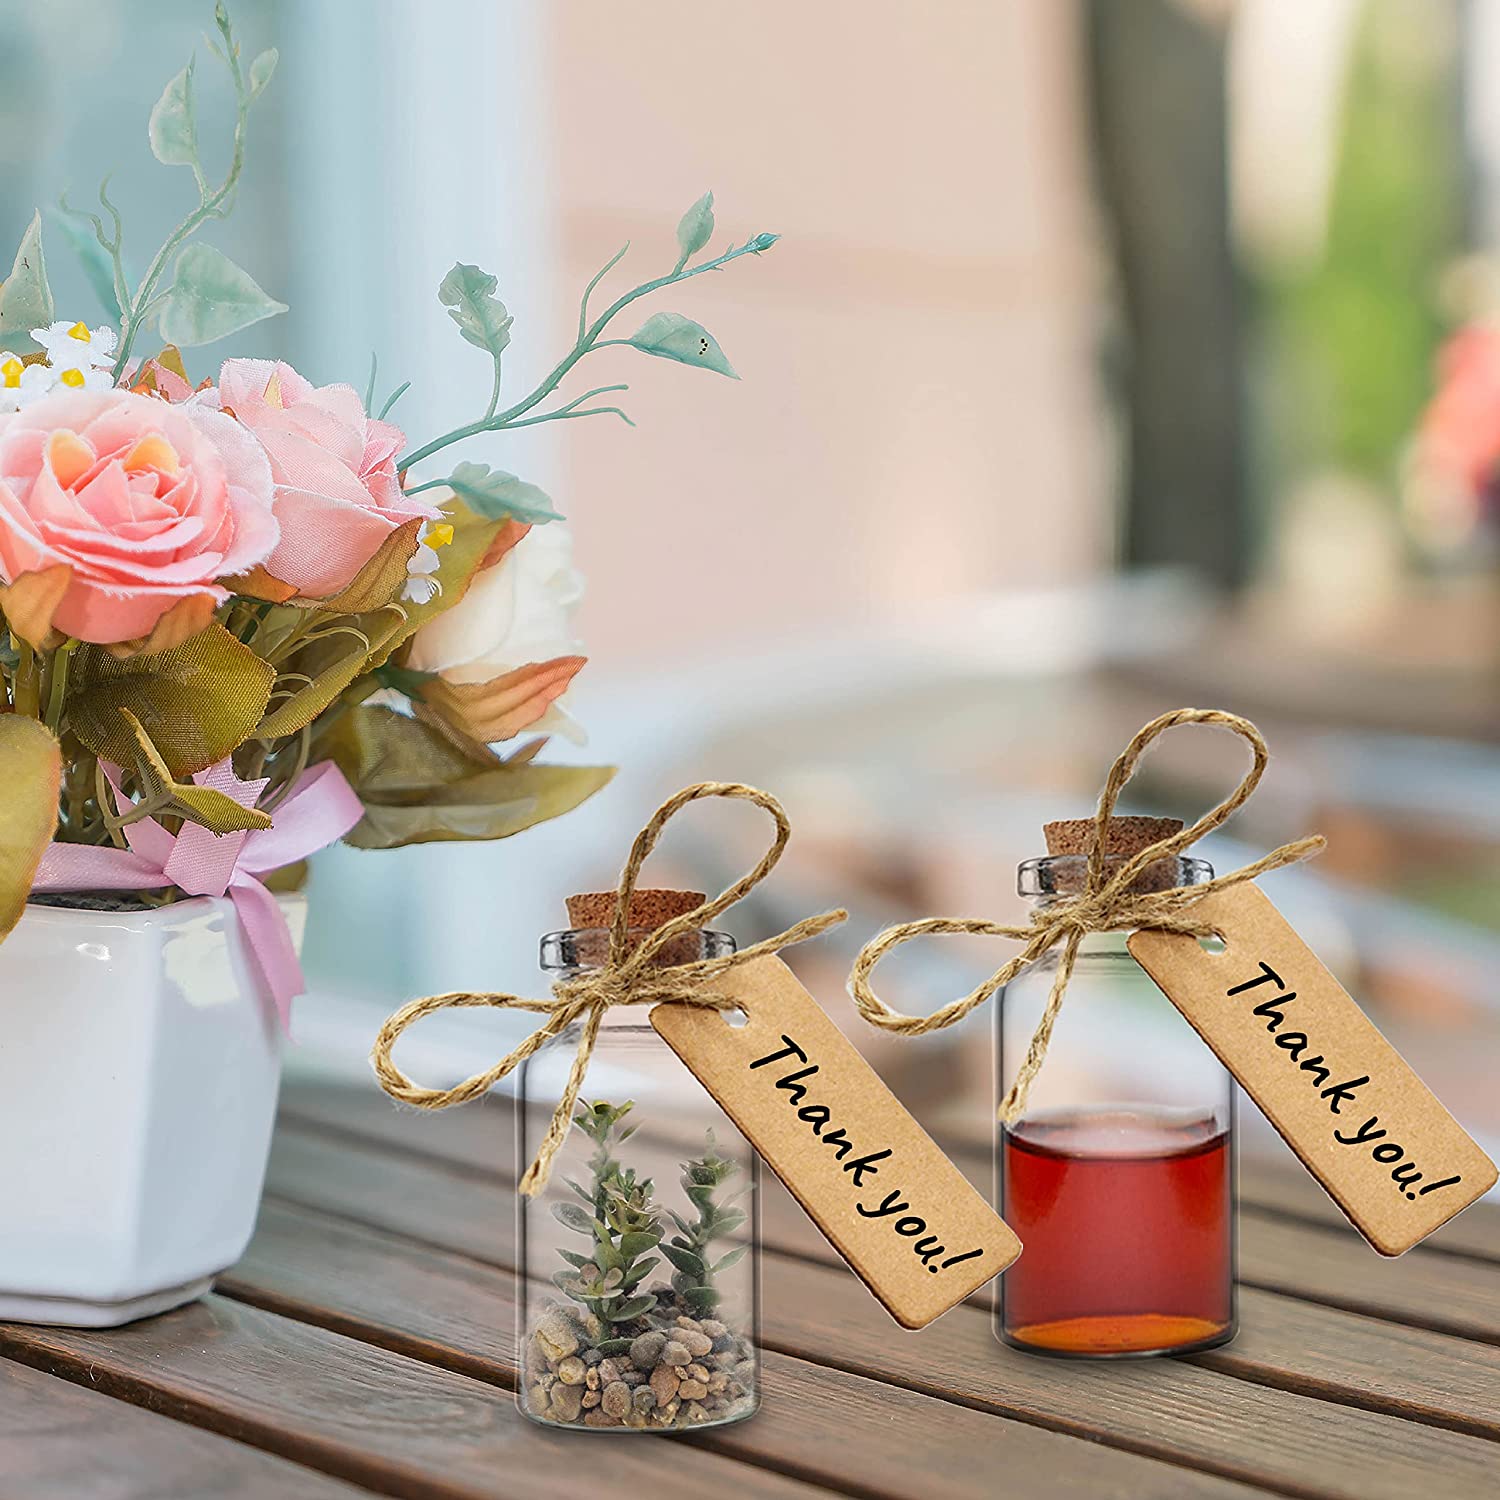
516	615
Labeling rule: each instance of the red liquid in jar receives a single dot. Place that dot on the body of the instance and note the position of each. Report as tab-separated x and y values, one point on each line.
1127	1228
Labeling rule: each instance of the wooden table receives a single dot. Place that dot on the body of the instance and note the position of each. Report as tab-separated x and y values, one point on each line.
365	1345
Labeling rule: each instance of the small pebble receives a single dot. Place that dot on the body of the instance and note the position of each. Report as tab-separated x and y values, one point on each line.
616	1398
567	1402
676	1354
697	1372
646	1350
684	1321
664	1383
633	1377
644	1399
600	1418
590	1398
696	1342
557	1335
717	1382
609	1371
571	1371
696	1413
726	1359
692	1390
591	1356
713	1328
591	1377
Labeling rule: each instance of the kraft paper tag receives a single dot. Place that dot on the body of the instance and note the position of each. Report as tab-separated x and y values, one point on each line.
1371	1132
909	1223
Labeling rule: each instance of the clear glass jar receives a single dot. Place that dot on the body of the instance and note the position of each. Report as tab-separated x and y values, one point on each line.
1119	1174
639	1304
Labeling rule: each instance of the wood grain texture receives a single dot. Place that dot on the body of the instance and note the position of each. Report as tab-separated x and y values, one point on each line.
65	1442
1456	1295
460	1314
482	1135
393	1424
1186	1413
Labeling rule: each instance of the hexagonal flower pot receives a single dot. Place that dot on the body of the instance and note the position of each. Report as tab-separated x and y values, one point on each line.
140	1066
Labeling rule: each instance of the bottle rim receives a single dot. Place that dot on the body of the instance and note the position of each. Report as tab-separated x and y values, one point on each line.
1063	874
585	947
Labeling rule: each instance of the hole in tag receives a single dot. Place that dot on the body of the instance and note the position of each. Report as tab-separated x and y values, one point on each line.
1214	944
736	1018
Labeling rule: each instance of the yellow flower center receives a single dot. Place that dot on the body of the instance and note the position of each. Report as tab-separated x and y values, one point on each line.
73	378
79	331
10	372
440	535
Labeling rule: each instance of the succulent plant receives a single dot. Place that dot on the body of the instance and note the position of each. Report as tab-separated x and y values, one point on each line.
717	1218
620	1216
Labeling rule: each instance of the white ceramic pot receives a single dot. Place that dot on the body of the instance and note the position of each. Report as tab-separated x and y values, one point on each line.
139	1067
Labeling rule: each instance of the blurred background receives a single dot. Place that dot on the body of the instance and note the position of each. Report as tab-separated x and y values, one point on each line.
1118	354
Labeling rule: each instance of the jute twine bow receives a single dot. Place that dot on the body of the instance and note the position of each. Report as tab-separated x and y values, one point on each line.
631	975
1104	905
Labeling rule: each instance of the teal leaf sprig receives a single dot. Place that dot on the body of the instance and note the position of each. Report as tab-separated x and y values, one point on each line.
468	292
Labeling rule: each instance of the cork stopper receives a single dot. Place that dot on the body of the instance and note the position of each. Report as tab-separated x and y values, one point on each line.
1122	836
649	909
592	912
1073	839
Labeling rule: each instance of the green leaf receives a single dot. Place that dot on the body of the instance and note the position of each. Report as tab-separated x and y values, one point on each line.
98	268
202	805
573	1217
701	1298
608	1347
640	1271
496	495
731	1259
491	804
25	297
671	336
696	227
685	1261
632	1245
211	298
30	772
634	1307
310	699
261	71
469	295
173	129
197	702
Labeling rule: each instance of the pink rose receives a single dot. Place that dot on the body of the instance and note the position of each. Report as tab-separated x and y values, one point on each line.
337	493
131	508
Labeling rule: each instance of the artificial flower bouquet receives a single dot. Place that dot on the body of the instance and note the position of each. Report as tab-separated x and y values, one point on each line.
241	618
223	600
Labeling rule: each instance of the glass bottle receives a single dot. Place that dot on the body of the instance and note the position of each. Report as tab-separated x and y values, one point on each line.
1119	1173
639	1297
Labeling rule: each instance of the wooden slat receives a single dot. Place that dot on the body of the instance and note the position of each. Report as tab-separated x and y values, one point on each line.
1166	1409
460	1313
64	1442
393	1424
482	1135
1444	1293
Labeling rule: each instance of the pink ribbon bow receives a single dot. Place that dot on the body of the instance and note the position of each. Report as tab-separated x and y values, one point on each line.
320	809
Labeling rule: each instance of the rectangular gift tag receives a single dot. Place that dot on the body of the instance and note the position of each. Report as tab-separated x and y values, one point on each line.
1344	1100
909	1223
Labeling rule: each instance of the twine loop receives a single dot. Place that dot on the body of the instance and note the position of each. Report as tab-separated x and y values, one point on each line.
632	974
1107	903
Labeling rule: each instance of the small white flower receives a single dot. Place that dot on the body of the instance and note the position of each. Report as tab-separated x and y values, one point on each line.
421	587
72	346
21	384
